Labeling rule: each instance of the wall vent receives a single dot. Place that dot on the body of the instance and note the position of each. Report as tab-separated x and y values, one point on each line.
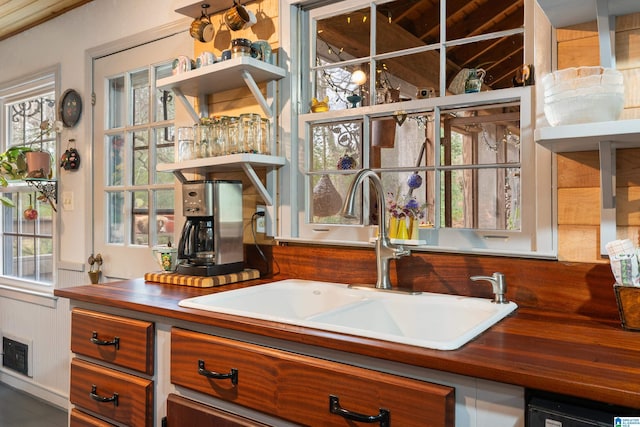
16	355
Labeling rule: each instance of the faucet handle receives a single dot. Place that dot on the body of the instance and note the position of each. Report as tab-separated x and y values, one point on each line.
498	284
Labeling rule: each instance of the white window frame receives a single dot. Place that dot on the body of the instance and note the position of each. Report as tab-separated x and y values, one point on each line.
45	81
537	237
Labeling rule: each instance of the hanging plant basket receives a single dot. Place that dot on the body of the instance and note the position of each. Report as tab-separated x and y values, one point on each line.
38	164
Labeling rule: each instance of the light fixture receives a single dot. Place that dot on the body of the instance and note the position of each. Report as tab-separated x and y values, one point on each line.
358	77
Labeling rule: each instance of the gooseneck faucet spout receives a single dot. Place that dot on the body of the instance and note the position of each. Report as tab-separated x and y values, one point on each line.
385	250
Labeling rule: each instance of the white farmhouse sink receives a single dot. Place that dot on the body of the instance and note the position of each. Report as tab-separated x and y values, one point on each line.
437	321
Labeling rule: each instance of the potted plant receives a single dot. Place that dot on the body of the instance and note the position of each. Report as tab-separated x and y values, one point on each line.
39	160
26	161
13	167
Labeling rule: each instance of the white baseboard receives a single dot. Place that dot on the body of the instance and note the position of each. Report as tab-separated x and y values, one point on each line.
26	385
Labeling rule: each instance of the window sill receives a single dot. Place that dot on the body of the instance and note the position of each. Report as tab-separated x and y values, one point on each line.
43	298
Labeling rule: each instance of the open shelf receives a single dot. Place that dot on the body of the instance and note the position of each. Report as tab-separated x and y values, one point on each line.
588	136
563	13
221	76
233	162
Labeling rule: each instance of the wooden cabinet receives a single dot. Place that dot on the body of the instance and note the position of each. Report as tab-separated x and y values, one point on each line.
102	394
186	412
303	389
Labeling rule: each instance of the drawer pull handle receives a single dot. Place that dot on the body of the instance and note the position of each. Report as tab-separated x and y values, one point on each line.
233	374
98	398
382	417
97	341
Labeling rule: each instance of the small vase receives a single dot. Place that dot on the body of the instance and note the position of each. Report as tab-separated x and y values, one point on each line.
413	229
403	232
393	227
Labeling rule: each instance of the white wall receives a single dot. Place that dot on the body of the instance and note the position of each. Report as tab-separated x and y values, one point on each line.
65	41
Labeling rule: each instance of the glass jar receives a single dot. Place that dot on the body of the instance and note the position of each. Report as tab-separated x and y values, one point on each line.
264	144
232	131
218	137
202	140
185	144
249	132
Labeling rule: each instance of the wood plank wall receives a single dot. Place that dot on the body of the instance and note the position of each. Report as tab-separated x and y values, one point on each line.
238	101
578	173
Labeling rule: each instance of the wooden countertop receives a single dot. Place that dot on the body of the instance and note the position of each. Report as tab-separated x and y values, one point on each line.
551	351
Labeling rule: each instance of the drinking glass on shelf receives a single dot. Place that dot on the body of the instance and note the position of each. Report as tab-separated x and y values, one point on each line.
185	144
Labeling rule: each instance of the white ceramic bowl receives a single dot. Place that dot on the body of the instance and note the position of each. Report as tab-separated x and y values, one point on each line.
583	95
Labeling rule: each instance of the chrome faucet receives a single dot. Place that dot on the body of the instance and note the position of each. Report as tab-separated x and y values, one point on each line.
498	284
385	250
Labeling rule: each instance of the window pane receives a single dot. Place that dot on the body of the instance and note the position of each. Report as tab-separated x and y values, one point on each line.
403	25
115	211
402	145
411	76
483	199
116	103
481	135
165	152
140	226
345	36
489	17
165	100
343	87
140	162
140	97
495	69
165	215
115	160
336	146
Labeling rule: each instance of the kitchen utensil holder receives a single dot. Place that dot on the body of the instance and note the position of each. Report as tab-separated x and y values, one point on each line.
628	299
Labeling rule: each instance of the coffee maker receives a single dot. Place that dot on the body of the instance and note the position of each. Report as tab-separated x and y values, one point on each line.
211	240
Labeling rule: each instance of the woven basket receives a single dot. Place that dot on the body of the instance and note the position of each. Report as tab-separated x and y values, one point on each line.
628	299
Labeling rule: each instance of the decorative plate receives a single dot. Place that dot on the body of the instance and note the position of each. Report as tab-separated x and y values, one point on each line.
70	108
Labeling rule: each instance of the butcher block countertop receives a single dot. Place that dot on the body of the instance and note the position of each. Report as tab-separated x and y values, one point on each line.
545	350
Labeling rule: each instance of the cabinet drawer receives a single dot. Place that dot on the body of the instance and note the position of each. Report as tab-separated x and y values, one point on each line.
122	397
81	419
256	386
299	388
114	339
186	412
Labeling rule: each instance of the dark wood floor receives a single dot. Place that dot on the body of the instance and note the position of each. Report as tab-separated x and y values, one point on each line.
19	409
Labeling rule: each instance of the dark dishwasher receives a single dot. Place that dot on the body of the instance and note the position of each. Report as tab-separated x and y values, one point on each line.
551	410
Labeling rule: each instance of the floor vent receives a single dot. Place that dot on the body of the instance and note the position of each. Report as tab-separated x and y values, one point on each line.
15	355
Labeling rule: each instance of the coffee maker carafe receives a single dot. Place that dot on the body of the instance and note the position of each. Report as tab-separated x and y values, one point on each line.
211	240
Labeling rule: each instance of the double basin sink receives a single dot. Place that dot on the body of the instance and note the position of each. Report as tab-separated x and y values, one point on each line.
429	320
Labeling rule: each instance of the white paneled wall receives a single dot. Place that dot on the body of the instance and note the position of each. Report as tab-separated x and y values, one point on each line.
49	330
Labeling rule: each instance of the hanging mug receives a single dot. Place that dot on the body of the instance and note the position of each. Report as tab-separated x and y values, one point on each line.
237	17
201	29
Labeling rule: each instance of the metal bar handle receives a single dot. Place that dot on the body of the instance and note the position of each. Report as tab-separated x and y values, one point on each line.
233	374
94	339
101	399
383	416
